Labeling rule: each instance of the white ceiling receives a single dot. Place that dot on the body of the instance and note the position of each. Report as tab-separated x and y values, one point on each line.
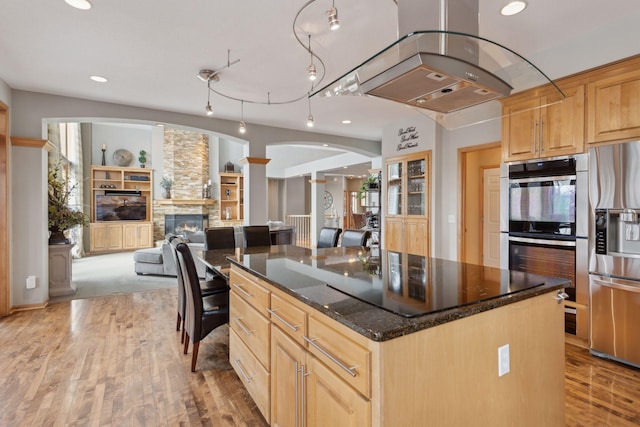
151	51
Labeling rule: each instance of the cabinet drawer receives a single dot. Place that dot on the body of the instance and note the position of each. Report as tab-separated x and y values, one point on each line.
289	318
349	360
251	327
249	289
252	374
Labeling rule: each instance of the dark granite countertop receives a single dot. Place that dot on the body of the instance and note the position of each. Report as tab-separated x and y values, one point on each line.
387	295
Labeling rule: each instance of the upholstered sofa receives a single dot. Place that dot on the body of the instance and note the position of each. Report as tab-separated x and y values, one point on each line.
160	261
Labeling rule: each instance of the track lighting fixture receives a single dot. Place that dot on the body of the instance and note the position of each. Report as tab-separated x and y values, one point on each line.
332	14
243	127
311	68
315	72
310	118
208	108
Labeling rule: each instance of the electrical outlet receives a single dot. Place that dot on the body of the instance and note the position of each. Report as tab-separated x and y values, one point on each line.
503	360
31	282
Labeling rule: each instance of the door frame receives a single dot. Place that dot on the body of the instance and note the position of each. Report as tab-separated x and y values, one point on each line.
5	265
462	192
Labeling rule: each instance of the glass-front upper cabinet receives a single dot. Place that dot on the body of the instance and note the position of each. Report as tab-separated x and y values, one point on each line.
415	187
407	185
394	188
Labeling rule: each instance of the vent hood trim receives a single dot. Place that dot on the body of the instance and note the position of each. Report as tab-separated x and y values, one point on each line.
503	67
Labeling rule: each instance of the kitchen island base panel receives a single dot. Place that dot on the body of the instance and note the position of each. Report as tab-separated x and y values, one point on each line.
448	375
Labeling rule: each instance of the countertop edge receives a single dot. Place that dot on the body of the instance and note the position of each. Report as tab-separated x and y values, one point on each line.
410	325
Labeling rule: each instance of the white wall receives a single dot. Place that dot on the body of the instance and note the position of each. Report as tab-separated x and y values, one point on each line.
230	151
5	93
295	196
127	137
29	226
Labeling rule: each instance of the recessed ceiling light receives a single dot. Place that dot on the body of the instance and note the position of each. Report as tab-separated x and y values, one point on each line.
325	145
344	167
346	122
79	4
513	7
98	79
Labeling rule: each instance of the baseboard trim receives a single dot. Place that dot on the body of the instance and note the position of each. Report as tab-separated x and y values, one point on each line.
27	307
577	341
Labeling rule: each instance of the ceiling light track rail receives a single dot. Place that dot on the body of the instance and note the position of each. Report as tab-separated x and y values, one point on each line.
316	73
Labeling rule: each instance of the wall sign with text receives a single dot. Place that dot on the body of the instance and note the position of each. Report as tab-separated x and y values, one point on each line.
408	138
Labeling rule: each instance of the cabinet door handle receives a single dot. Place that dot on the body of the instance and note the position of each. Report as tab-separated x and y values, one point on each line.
303	376
294	328
242	371
242	326
312	341
535	135
541	135
245	293
561	296
297	390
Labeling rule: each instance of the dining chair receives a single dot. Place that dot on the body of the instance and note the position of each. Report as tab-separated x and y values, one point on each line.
355	238
213	286
256	235
219	238
328	237
203	314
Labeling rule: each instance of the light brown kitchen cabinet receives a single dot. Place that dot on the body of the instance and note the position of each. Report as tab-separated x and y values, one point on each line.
250	336
299	371
613	111
407	211
109	236
534	125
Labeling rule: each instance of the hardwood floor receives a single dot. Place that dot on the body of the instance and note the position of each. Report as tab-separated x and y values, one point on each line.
117	361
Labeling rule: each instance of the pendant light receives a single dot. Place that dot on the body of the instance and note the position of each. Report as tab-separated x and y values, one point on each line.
311	69
208	108
332	14
243	127
310	118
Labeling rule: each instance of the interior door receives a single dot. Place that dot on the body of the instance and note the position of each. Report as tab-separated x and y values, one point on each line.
491	218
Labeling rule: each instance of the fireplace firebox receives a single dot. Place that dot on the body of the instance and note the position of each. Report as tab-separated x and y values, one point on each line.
178	223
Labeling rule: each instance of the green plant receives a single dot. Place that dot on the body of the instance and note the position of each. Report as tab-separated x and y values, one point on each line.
367	184
166	183
143	157
61	216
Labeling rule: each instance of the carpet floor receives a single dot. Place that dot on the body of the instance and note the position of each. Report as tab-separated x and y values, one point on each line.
109	274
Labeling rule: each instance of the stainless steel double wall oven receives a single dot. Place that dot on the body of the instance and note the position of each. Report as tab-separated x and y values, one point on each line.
544	222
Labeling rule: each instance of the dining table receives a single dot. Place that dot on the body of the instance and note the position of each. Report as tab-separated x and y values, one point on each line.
217	260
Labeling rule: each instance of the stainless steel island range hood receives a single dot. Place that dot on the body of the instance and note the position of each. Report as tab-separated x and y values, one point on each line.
440	65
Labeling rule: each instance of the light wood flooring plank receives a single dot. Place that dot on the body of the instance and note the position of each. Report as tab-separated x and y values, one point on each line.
117	361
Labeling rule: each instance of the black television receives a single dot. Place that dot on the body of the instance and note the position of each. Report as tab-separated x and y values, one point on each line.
121	207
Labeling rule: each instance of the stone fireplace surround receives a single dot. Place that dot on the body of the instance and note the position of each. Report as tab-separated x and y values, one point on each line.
186	161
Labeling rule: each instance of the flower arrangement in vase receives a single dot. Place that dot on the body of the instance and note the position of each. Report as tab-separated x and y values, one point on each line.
167	184
61	216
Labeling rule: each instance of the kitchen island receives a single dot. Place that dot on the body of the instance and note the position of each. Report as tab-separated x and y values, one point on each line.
340	337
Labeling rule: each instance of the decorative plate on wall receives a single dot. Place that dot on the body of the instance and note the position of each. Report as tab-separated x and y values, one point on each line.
122	157
328	200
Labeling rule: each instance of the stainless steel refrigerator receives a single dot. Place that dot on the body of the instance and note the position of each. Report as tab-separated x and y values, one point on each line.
614	247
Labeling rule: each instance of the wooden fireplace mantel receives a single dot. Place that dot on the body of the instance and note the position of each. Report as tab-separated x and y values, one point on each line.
190	202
